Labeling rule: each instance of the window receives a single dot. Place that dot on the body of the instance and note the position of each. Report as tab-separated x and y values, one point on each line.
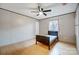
53	25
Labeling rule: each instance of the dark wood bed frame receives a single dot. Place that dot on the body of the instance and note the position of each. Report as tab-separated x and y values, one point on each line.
46	40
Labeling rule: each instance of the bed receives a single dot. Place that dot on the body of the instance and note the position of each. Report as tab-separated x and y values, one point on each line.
47	39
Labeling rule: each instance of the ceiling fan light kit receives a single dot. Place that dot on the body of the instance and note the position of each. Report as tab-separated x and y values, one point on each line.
40	13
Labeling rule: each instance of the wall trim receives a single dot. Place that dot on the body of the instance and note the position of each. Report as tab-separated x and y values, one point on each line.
68	43
18	13
56	16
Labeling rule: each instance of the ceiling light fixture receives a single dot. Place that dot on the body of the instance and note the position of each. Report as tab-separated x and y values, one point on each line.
40	13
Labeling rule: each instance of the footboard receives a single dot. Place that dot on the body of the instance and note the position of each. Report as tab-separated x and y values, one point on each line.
43	39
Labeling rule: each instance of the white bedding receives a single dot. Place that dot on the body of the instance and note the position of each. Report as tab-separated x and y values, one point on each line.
52	38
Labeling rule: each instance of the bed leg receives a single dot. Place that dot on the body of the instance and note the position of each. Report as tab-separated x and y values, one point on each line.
57	39
49	47
36	41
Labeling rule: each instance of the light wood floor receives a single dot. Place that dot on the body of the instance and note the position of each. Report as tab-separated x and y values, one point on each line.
60	48
38	49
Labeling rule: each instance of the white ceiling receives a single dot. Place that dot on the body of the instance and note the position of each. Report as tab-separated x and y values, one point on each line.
26	8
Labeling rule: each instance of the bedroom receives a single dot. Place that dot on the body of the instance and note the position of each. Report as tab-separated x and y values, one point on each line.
25	28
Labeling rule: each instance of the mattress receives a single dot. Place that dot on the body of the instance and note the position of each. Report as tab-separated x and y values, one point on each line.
52	38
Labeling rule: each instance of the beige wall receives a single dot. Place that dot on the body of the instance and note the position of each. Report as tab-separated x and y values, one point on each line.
44	25
66	27
15	28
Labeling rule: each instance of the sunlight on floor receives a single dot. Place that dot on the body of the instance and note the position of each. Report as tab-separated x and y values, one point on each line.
63	49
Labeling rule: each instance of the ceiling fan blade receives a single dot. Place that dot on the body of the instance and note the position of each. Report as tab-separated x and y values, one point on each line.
37	14
47	11
41	9
45	14
35	11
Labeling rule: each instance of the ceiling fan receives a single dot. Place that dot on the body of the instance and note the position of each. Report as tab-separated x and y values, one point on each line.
41	11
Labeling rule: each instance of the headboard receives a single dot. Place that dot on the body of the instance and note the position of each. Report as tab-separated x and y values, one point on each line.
54	33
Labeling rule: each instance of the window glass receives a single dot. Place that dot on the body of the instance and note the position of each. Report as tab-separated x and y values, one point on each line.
53	25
